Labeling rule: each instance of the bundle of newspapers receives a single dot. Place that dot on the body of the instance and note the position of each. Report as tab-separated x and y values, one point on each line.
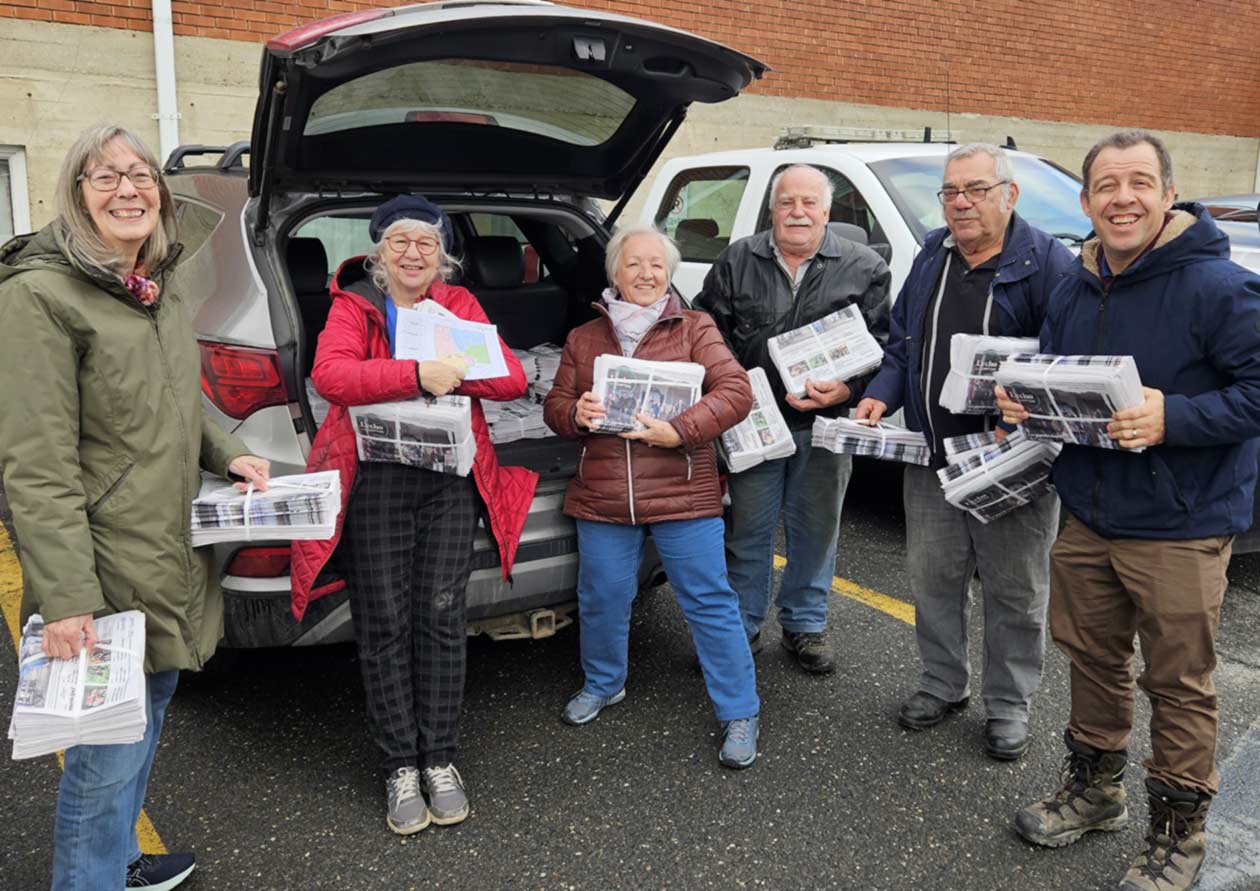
1071	398
763	435
883	441
432	432
989	479
303	505
836	347
540	364
628	387
523	418
973	360
97	698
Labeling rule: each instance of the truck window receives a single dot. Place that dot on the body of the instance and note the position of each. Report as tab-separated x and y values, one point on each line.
847	206
699	209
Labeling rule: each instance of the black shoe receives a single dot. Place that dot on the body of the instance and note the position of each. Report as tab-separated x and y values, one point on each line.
923	710
812	651
160	872
1005	740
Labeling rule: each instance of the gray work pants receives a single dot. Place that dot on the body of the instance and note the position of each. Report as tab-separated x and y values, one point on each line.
945	546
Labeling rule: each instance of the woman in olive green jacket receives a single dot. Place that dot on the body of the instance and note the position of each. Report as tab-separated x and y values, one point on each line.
102	436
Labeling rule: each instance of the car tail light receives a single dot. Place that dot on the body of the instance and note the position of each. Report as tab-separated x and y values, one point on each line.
309	33
533	265
259	563
450	117
241	380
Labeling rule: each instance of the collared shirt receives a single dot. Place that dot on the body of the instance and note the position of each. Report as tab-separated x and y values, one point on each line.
800	270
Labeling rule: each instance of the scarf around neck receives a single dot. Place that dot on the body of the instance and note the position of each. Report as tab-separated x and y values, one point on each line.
630	320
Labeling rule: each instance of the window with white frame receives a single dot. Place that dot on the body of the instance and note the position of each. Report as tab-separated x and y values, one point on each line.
15	208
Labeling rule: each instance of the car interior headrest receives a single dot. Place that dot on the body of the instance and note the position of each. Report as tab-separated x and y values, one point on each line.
308	265
849	231
704	228
494	261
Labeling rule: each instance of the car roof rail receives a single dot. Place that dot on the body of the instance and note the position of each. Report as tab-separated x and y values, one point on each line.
810	135
231	159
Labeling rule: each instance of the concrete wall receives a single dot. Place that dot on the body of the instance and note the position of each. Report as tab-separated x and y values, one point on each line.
56	79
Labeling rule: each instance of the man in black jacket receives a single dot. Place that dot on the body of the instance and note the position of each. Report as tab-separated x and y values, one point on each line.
759	287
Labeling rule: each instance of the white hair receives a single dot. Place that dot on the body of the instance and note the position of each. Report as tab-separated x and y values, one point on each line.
612	254
829	190
1001	165
447	265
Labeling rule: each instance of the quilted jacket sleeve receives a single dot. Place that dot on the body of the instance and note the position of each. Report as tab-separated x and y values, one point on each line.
562	400
344	376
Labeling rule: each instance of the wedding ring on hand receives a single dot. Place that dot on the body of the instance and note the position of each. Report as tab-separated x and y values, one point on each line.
1132	432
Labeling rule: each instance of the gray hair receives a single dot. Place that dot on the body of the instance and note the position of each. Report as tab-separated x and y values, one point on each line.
447	265
612	253
829	191
83	242
1001	165
1124	139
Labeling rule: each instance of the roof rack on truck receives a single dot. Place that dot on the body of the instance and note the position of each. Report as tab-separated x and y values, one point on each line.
811	135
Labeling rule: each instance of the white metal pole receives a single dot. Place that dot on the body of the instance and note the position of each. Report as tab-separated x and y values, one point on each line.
164	58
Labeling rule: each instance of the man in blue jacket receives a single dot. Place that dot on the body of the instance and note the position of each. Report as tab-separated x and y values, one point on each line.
1147	543
987	272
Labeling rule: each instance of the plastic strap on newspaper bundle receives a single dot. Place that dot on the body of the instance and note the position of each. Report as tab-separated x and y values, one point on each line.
1045	382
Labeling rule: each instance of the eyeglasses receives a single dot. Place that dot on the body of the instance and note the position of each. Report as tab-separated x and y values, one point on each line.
399	243
106	179
975	194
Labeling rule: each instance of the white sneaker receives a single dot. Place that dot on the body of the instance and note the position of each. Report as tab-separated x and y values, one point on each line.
407	813
448	803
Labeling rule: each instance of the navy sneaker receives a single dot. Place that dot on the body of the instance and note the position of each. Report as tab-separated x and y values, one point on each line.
585	707
160	872
739	742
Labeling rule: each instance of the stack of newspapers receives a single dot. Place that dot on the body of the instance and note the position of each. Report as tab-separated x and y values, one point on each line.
540	364
888	443
1071	398
989	479
304	505
518	419
95	699
973	360
628	387
836	347
763	435
432	432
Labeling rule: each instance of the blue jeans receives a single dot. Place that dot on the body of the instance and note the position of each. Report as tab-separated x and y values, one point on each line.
809	488
99	800
691	552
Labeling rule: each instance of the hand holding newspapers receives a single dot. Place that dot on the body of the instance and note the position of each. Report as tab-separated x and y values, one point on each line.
433	432
989	479
628	387
836	347
973	360
430	332
763	435
883	441
302	505
1071	399
97	698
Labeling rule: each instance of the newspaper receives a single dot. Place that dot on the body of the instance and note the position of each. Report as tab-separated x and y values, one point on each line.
96	699
993	480
763	435
958	445
523	418
883	441
973	360
434	433
836	347
431	332
299	506
1071	399
628	387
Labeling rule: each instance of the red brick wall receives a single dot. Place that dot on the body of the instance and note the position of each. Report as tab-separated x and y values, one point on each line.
1176	65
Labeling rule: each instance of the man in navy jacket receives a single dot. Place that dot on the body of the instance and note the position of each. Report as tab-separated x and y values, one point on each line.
1147	543
987	272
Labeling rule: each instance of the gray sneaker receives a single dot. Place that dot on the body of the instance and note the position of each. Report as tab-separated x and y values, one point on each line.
407	814
448	802
739	743
585	707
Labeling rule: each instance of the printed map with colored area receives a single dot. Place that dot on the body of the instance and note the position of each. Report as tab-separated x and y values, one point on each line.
453	342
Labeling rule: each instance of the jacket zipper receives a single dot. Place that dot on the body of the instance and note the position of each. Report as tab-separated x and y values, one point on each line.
688	467
581	462
114	486
630	482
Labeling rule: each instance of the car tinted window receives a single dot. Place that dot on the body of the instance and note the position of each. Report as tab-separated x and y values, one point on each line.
342	237
847	205
558	103
1048	197
699	209
195	224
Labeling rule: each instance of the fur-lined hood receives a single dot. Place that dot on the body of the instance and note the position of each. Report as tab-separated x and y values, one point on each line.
1190	234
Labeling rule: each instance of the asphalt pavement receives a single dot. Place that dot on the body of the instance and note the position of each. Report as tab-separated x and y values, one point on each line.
266	770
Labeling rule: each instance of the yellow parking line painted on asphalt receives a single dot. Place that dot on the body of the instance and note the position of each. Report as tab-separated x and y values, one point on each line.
11	605
898	609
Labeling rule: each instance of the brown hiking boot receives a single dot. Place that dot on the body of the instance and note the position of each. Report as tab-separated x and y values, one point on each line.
1091	798
1176	843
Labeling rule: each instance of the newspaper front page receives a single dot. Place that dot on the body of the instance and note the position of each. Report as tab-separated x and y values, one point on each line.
763	435
628	387
973	360
434	433
836	347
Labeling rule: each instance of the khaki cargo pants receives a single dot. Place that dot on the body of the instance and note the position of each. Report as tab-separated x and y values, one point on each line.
1167	593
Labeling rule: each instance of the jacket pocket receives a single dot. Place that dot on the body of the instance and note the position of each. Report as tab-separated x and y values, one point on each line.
1147	496
100	502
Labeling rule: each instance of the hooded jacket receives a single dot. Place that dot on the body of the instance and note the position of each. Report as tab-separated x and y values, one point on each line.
102	437
750	298
353	367
1191	320
627	481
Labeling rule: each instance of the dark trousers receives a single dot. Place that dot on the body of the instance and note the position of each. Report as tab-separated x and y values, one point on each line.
1103	592
409	539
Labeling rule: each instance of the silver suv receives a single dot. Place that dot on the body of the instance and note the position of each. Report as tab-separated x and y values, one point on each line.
514	117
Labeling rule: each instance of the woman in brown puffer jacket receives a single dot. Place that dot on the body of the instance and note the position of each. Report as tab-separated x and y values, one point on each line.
662	478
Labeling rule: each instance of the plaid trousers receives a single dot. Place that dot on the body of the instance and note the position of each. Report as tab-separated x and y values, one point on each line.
409	540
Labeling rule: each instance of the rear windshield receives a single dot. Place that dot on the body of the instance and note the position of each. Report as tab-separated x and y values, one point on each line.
558	103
